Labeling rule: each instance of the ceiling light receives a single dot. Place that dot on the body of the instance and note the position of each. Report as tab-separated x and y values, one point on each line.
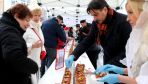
77	12
39	4
78	5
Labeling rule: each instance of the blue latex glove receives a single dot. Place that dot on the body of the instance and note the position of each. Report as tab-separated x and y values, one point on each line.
108	67
109	78
115	69
69	61
101	69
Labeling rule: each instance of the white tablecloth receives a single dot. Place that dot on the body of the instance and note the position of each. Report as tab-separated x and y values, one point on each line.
53	76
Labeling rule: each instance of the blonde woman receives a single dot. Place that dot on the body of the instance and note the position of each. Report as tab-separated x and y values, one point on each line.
35	41
136	49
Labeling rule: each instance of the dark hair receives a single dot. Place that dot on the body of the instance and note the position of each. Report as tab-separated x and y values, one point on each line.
96	4
82	21
63	25
70	29
21	10
60	17
77	25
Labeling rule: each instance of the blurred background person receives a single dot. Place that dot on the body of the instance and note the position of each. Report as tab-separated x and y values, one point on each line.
71	32
93	51
35	41
77	33
68	38
52	31
84	30
16	67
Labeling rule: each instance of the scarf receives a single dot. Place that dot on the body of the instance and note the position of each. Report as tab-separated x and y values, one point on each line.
35	25
102	28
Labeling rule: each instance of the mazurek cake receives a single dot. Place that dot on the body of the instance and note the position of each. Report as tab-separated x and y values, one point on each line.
66	77
79	74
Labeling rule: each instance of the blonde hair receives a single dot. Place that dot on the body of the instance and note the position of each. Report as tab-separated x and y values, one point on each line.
137	6
141	54
37	11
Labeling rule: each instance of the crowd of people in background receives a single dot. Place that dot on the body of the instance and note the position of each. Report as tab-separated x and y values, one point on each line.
28	46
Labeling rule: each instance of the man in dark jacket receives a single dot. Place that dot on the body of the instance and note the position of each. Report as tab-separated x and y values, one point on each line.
93	50
109	29
52	32
77	32
16	68
84	30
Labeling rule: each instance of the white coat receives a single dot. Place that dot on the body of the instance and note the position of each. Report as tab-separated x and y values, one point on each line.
30	38
132	46
34	53
143	76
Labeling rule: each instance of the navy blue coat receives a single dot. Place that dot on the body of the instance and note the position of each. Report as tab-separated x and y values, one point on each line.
52	31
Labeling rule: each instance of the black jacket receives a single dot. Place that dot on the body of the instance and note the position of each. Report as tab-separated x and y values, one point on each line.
85	30
113	42
15	66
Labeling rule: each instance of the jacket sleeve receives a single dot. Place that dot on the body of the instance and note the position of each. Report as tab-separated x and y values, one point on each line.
61	33
125	29
14	53
86	43
29	39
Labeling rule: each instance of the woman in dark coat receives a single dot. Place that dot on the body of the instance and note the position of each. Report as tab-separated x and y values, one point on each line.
15	66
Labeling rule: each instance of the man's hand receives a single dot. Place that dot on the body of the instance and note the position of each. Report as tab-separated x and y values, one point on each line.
69	61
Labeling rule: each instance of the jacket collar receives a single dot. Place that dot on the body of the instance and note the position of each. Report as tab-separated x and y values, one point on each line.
109	16
54	20
9	20
35	25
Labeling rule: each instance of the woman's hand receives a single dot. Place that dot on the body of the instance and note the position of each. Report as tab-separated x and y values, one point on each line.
108	67
37	44
109	78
